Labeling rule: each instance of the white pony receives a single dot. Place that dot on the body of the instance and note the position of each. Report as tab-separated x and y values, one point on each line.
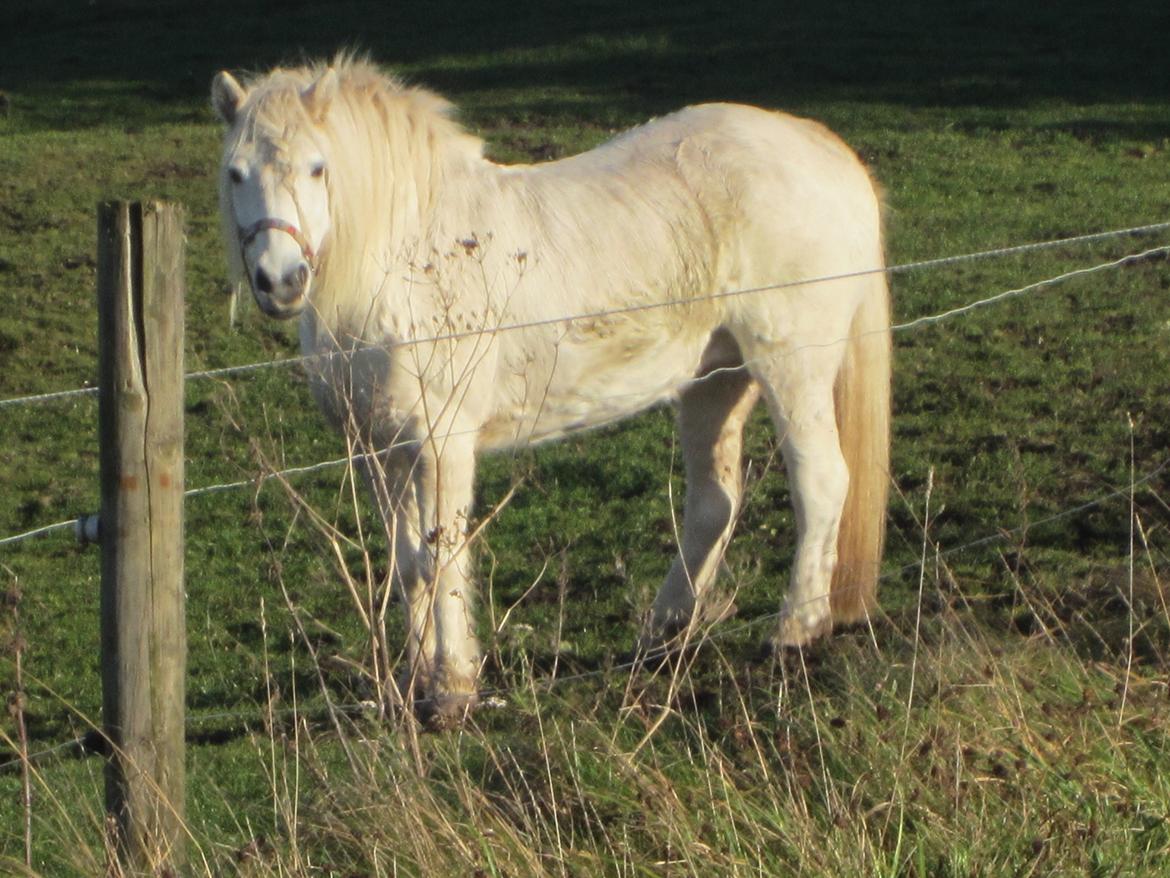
468	306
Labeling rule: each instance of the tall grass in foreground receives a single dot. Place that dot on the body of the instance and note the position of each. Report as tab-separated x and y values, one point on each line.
931	743
971	730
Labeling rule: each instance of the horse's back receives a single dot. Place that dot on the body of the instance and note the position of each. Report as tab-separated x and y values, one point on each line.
689	209
755	173
786	200
777	171
753	177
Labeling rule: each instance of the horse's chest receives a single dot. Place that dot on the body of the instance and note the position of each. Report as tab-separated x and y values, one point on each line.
356	392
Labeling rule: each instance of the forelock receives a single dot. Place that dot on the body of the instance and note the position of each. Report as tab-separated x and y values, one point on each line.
274	109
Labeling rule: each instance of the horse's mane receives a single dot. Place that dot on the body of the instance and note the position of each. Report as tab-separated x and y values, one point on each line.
390	147
274	98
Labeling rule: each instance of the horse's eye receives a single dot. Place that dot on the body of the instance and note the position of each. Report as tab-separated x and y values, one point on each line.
317	170
236	175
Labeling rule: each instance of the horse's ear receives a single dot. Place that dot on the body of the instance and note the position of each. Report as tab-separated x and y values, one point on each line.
318	96
226	96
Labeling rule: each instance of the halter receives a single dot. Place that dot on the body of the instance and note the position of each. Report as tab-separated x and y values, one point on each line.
248	235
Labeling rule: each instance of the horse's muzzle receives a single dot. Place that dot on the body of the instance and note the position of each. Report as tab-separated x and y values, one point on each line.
281	296
284	297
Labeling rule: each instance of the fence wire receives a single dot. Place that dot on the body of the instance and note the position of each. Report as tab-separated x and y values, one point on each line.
902	268
78	524
496	696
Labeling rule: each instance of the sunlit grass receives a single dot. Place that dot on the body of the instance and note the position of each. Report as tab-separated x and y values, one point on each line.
1005	717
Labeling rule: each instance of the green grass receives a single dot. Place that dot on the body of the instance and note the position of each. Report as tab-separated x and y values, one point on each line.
998	719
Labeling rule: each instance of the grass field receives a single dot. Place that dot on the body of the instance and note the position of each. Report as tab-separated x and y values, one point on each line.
1005	714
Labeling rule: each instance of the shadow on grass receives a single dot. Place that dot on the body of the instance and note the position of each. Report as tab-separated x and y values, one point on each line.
133	62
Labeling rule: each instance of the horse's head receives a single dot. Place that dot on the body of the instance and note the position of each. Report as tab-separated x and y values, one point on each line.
274	194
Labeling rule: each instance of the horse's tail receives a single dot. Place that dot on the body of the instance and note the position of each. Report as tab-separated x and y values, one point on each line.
862	397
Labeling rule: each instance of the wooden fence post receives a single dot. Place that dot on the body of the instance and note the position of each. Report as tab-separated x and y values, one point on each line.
141	265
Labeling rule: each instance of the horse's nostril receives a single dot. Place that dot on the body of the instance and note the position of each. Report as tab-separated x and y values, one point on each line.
301	277
263	281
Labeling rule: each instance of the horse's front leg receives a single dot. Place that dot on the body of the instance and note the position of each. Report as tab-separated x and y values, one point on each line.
444	478
392	483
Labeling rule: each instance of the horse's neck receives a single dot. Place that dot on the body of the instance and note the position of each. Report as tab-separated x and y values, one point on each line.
404	253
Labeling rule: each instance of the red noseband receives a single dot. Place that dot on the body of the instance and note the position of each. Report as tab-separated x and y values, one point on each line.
248	235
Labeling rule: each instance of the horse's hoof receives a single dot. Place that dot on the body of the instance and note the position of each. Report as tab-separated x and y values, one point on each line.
445	711
717	610
665	639
795	632
410	687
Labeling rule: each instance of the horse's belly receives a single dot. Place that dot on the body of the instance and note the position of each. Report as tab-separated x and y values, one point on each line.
588	386
560	417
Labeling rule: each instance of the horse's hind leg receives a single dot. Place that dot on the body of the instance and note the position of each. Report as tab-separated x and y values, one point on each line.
799	393
712	413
